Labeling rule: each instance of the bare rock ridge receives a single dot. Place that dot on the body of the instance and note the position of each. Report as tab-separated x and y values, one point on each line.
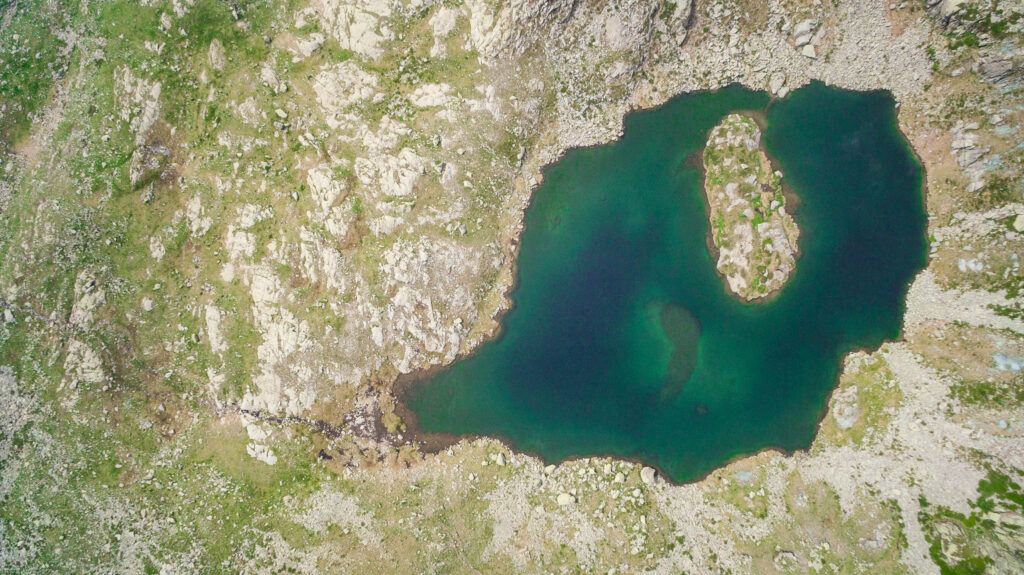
754	235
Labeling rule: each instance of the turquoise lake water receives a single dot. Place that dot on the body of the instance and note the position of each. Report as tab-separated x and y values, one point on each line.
624	341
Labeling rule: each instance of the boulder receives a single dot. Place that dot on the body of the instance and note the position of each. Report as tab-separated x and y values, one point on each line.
994	68
306	46
804	32
565	499
944	10
647	475
216	55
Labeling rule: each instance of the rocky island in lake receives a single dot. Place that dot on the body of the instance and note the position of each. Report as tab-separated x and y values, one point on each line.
754	236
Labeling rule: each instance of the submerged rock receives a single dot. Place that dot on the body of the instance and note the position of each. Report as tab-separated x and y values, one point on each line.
754	235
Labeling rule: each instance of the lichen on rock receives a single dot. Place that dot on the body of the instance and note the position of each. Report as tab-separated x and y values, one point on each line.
754	235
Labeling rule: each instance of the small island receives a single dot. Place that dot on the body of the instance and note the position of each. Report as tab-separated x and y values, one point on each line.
754	236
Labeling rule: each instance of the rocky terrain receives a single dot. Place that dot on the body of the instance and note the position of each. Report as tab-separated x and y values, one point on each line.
227	228
755	238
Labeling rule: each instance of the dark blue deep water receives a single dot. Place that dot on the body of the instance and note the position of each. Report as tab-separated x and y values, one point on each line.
624	341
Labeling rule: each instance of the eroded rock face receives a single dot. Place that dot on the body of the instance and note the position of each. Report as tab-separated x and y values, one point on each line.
755	237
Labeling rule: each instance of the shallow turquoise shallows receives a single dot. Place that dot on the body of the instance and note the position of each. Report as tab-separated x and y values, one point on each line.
624	341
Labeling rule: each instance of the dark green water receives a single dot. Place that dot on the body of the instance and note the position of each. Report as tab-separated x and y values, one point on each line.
623	340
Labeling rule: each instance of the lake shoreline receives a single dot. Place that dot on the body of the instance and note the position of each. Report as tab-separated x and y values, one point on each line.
433	442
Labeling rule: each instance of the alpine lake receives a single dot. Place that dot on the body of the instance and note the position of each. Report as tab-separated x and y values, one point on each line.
623	340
